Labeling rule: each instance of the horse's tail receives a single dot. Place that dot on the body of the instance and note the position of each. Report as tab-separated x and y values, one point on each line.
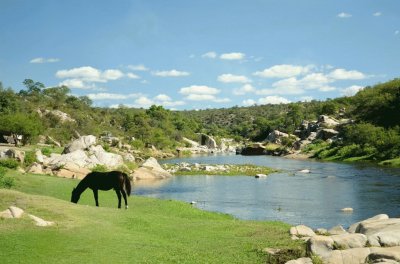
128	187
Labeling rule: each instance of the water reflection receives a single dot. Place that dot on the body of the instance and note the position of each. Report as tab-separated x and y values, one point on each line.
314	199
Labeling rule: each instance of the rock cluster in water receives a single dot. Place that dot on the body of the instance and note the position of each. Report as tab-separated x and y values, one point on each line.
374	240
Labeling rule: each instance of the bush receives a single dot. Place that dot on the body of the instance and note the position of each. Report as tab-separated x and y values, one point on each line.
9	163
5	181
100	168
30	158
46	151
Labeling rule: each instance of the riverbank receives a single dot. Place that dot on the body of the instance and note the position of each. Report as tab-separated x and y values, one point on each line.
150	231
185	168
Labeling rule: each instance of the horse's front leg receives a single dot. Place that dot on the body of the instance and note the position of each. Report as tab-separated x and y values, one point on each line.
96	196
119	197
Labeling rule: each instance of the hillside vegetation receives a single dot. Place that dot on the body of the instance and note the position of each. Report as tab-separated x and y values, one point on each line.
374	134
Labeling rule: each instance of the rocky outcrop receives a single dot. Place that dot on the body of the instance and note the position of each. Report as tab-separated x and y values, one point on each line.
326	133
150	170
254	149
327	121
276	137
63	117
374	240
18	155
208	141
15	212
81	143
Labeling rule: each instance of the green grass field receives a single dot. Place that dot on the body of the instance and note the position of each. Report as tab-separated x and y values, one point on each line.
150	231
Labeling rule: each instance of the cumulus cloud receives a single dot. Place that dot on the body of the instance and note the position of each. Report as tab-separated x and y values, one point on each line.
144	102
273	100
90	74
171	73
248	102
44	60
342	74
131	75
377	14
230	78
112	74
245	89
162	97
344	15
75	83
352	90
139	67
306	98
283	71
199	90
111	96
232	56
209	55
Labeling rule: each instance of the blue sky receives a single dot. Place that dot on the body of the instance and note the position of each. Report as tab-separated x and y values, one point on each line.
200	54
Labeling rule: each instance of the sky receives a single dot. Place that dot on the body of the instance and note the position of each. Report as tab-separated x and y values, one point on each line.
198	54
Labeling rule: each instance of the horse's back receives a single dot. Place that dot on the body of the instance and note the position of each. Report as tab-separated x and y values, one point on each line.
105	180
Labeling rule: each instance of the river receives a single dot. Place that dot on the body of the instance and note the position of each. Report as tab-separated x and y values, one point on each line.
314	199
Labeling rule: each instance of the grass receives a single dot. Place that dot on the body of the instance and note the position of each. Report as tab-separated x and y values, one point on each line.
391	162
150	231
232	170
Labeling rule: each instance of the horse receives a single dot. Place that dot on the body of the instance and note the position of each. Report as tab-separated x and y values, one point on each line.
105	181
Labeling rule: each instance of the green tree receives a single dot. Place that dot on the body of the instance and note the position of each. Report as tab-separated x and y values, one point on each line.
28	126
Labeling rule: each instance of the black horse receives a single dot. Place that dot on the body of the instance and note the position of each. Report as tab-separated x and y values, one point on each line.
116	180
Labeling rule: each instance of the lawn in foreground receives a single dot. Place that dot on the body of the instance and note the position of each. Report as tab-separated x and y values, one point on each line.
150	231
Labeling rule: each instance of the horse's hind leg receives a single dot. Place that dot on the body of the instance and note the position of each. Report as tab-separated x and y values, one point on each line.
96	197
119	197
124	195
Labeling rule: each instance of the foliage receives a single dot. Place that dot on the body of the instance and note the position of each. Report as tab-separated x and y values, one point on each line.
100	168
46	151
30	158
29	126
5	181
9	163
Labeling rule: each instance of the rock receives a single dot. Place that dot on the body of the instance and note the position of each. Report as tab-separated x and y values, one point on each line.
81	143
300	261
305	171
150	169
390	253
327	121
18	155
40	222
191	142
99	156
129	157
260	175
321	231
347	241
78	157
302	230
53	141
337	230
39	156
348	256
320	245
63	117
276	136
35	168
355	228
382	232
254	149
326	133
208	141
347	210
185	169
272	251
6	214
72	171
16	212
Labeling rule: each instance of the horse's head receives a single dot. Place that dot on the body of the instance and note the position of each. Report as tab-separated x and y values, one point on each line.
75	196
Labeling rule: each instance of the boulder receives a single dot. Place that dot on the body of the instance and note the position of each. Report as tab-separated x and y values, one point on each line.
300	261
35	168
81	143
40	222
355	228
348	256
18	155
99	156
320	245
72	170
326	121
16	212
326	133
129	157
208	141
39	156
382	232
191	142
78	157
276	136
389	253
302	230
337	230
254	149
150	169
347	241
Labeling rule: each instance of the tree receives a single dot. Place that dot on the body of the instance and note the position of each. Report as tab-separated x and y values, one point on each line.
28	126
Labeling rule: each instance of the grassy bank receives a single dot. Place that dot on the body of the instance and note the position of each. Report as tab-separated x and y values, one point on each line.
150	231
222	170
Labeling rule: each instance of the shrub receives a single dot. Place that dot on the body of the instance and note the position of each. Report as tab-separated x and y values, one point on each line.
46	151
30	158
9	163
5	181
100	168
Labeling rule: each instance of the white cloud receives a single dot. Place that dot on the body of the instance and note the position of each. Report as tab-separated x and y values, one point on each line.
199	90
165	100
90	74
112	74
326	88
352	90
222	100
144	102
232	56
75	83
111	96
162	97
171	73
249	102
314	81
397	32
342	74
44	60
283	71
306	98
132	76
273	100
377	14
344	15
209	55
139	67
200	97
245	89
230	78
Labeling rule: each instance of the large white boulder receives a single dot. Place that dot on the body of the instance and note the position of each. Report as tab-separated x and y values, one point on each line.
82	143
99	156
150	170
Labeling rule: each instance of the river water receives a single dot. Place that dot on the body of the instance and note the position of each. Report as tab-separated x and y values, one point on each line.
314	199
